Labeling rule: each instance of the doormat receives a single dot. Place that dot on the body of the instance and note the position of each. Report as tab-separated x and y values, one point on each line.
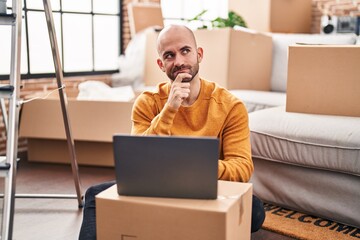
304	226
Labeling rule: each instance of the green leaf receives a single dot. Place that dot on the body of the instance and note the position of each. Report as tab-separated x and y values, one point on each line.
198	17
232	20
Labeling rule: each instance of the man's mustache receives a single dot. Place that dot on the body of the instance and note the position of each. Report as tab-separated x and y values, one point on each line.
179	68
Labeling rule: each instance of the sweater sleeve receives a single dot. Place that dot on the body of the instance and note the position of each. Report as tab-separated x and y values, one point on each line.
236	164
147	119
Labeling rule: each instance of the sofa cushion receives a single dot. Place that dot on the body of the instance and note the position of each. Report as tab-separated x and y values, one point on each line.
281	43
314	141
257	100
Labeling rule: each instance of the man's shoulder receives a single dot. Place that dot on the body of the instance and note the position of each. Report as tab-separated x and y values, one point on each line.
220	94
159	90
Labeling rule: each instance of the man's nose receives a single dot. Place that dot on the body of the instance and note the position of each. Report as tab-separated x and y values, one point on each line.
179	60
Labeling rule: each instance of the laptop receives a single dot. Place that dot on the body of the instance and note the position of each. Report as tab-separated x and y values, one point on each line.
166	166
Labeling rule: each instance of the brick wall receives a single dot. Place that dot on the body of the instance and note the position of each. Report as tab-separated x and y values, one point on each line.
125	27
316	15
40	85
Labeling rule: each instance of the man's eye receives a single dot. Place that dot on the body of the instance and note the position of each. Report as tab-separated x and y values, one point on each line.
168	56
185	51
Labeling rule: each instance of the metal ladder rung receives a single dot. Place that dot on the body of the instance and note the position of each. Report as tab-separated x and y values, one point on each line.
6	90
7	19
4	166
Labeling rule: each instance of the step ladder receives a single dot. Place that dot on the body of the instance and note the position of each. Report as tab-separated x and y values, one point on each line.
11	92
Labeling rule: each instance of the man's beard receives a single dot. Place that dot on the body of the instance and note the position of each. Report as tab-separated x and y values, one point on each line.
193	72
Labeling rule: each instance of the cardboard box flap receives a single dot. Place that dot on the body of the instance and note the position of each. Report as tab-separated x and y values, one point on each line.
227	193
90	120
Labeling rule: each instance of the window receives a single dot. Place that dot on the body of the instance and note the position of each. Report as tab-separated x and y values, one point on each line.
180	11
88	37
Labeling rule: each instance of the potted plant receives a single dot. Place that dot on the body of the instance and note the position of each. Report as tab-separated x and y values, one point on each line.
232	20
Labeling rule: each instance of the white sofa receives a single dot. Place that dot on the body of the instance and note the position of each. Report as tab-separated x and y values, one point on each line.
305	162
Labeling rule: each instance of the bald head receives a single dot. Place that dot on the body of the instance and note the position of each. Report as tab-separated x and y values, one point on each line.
171	32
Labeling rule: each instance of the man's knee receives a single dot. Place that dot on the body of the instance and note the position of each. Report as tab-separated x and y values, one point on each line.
92	191
258	214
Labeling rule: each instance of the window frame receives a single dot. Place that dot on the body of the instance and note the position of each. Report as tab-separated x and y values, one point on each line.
30	75
204	20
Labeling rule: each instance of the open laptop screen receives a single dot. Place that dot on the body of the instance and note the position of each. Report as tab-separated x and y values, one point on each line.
166	166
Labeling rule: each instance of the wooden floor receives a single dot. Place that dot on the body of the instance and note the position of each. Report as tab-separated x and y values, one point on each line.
45	219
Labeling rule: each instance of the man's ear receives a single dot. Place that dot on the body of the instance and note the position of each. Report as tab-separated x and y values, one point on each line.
200	53
160	64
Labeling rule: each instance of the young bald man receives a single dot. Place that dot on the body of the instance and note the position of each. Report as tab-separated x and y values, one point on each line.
188	105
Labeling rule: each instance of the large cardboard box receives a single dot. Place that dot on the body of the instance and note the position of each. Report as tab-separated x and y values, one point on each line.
152	73
324	79
144	218
93	124
235	59
283	16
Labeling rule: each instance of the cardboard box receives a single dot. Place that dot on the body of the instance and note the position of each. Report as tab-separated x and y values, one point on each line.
235	59
283	16
144	218
93	124
144	15
152	73
324	79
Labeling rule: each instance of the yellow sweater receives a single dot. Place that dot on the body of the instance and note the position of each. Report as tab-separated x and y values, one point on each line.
216	112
